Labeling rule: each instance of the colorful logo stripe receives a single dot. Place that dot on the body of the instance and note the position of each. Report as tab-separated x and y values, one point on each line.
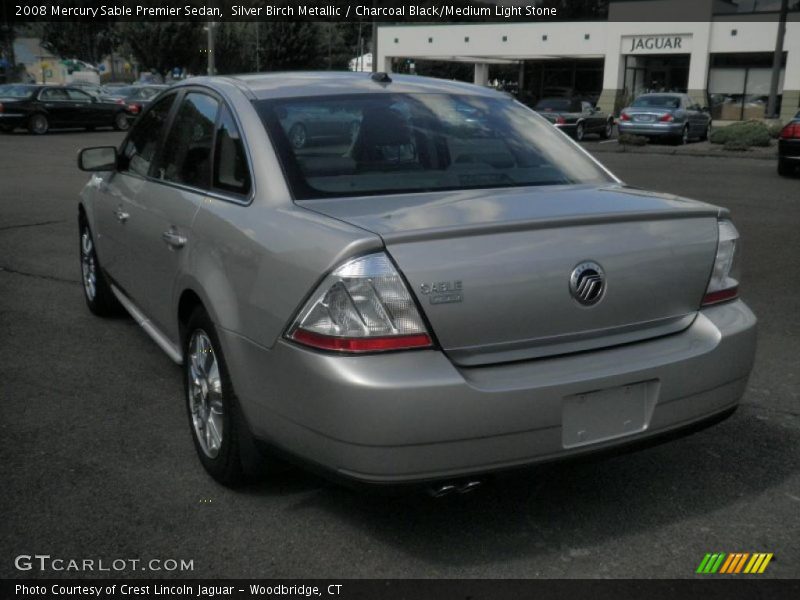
734	563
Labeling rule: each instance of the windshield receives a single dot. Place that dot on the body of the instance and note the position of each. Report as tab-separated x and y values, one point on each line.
562	104
657	102
369	144
16	91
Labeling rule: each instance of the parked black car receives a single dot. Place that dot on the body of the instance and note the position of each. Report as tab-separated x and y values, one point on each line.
576	117
42	107
134	97
789	147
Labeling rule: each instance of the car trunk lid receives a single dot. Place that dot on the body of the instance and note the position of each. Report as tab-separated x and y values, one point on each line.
491	268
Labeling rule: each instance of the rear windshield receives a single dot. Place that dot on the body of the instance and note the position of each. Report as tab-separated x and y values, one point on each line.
120	92
16	91
554	104
371	144
657	102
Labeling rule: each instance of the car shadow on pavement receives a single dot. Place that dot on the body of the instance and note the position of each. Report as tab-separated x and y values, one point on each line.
579	503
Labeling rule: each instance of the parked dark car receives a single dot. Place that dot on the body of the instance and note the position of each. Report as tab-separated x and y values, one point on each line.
789	147
674	117
42	107
576	117
310	124
134	97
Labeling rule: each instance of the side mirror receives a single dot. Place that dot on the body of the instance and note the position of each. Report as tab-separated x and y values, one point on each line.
101	158
704	109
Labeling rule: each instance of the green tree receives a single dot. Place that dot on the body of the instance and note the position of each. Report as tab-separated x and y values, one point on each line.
163	45
89	41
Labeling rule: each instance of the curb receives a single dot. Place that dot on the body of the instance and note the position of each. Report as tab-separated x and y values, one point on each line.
618	149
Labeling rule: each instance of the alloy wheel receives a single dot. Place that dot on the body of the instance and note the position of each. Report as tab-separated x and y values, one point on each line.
39	124
88	265
298	136
205	394
579	132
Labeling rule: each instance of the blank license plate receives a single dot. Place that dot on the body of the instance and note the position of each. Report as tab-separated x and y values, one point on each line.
644	118
607	414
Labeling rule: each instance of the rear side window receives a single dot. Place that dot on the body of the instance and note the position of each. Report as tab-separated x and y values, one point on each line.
231	173
78	96
142	143
187	150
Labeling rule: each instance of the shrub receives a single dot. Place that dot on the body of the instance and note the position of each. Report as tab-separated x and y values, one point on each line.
632	140
747	133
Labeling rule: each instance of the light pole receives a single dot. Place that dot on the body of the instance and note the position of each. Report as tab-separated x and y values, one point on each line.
776	61
210	29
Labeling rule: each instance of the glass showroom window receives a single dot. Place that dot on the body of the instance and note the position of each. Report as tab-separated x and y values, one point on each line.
738	85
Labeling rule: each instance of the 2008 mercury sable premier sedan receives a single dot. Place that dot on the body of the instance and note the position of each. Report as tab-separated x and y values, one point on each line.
453	288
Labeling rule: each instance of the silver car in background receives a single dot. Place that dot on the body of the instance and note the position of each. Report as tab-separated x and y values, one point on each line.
457	289
674	117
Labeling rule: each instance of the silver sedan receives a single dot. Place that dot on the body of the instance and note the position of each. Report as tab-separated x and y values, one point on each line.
453	289
675	117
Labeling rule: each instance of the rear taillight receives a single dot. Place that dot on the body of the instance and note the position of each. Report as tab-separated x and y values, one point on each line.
363	306
666	118
1	107
724	283
134	108
624	117
560	120
791	132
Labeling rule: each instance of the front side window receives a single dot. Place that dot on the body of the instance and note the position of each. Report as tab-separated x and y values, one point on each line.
231	173
140	147
54	95
187	150
371	144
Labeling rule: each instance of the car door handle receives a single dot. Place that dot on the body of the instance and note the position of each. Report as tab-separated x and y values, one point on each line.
173	239
122	216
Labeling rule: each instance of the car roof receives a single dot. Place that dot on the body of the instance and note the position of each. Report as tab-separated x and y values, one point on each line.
325	83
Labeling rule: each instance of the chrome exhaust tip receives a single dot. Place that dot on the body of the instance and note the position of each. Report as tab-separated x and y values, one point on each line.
454	487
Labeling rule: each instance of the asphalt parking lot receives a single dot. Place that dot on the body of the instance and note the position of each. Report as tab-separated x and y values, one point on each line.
96	459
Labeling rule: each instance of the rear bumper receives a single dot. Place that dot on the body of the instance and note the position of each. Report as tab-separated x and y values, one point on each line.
650	129
414	416
789	149
12	120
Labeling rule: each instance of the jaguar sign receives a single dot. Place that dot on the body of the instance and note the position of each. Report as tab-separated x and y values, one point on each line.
656	44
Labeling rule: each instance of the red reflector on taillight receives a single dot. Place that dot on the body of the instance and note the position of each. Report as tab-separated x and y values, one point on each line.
134	108
560	120
666	118
624	117
791	132
367	344
720	296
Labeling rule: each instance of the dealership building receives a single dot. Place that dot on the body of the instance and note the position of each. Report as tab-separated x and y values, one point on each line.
722	56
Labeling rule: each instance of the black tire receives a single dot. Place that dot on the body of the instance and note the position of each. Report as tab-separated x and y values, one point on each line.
580	131
298	136
238	458
38	124
121	122
706	133
608	130
785	168
683	138
96	290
